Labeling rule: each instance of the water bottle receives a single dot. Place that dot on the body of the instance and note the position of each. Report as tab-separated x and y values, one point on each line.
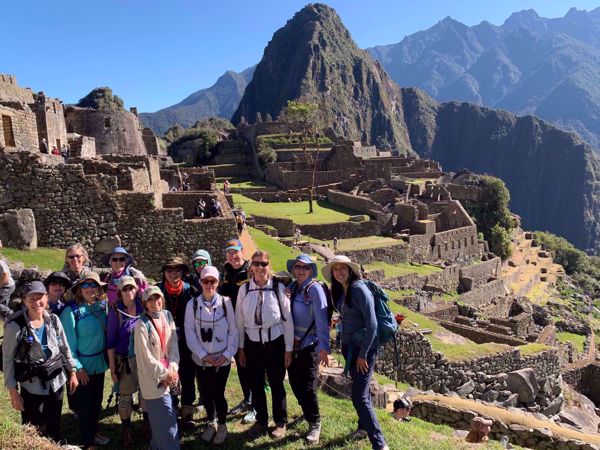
504	441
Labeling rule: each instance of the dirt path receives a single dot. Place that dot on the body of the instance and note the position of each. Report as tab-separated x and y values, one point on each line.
248	243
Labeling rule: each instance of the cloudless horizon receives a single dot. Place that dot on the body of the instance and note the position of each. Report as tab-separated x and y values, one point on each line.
153	54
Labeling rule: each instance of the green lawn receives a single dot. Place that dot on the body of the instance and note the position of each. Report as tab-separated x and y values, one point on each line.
324	212
401	293
396	270
576	339
532	349
338	420
244	183
43	258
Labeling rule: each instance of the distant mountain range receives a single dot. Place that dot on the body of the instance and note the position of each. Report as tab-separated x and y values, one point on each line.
530	65
219	100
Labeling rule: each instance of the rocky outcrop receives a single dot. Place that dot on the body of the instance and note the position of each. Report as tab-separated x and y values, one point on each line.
17	229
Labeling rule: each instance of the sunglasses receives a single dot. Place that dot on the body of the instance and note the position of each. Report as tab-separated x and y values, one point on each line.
300	267
173	269
260	263
75	256
93	284
200	263
118	259
209	281
128	288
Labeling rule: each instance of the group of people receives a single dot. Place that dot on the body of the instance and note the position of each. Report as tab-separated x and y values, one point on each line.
167	342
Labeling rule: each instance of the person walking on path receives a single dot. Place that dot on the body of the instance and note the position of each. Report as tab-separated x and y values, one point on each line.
212	336
357	305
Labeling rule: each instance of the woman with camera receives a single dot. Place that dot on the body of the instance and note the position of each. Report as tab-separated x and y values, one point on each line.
212	336
34	353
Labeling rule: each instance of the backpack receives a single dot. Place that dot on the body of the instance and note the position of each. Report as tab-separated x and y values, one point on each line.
195	305
387	327
146	321
330	305
274	288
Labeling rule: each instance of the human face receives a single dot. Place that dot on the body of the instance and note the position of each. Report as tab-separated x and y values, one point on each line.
118	262
55	291
235	258
154	303
75	260
259	269
341	273
173	274
209	287
128	294
302	272
36	304
90	291
199	264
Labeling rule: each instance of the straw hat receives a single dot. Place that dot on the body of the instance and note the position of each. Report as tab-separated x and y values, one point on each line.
340	259
90	276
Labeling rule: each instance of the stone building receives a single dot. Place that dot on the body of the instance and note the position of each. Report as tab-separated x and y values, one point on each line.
19	125
50	117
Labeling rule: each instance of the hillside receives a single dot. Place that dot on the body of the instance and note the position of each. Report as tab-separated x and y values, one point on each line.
219	100
529	65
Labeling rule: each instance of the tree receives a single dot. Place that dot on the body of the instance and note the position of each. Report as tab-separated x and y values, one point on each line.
500	241
305	117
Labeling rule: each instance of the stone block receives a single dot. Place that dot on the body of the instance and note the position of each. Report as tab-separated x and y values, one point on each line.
17	229
358	218
524	383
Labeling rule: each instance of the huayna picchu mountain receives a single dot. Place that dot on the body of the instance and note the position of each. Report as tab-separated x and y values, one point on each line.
552	174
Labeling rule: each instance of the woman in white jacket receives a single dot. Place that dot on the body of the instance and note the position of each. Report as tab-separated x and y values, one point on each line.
157	356
212	337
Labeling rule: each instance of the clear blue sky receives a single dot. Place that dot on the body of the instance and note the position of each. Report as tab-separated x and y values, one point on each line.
155	53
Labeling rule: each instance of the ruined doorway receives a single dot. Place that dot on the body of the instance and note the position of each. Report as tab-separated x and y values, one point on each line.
9	136
58	144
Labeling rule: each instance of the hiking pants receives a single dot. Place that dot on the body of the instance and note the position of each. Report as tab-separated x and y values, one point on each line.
361	396
269	358
5	293
212	382
43	412
303	374
244	378
89	399
187	375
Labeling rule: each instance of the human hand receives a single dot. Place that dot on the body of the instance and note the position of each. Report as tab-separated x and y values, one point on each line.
114	376
171	378
220	361
208	359
288	359
242	357
324	358
16	401
362	365
83	377
73	382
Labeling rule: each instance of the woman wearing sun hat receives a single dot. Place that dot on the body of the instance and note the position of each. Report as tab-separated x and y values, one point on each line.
121	265
84	321
357	305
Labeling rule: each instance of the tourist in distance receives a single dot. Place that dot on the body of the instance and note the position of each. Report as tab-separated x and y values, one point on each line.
122	318
177	293
233	275
121	264
216	210
200	259
266	340
357	306
77	262
201	209
7	287
157	355
311	339
84	321
31	337
57	284
212	336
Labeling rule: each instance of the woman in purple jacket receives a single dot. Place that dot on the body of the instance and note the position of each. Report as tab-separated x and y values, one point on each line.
122	318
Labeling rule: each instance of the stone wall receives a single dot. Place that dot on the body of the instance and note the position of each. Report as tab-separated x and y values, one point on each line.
480	273
479	335
460	242
284	227
342	230
584	378
298	179
444	312
11	92
18	127
50	117
484	294
151	143
463	193
354	202
392	254
83	147
189	200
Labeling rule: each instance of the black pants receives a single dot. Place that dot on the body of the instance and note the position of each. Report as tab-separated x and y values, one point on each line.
89	399
43	412
245	381
303	374
212	381
267	358
187	375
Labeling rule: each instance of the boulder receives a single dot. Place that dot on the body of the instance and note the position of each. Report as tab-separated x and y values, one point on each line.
524	383
554	406
359	218
580	413
333	382
17	229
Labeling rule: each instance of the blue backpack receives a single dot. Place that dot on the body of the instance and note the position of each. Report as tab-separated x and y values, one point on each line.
387	327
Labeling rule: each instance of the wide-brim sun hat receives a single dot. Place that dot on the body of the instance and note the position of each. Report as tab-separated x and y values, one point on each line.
59	277
304	259
176	262
150	291
340	259
106	258
90	276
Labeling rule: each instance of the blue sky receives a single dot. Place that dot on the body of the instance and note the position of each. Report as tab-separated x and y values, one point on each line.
155	53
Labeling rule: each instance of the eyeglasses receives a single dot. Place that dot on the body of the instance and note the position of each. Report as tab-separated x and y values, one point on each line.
209	281
260	263
301	267
173	269
75	256
93	284
118	259
128	288
200	263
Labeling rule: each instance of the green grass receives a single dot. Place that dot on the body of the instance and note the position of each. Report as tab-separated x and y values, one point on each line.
447	296
396	270
394	295
44	258
338	420
324	212
576	339
532	349
244	183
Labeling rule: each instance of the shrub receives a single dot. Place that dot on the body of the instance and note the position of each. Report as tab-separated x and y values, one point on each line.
500	242
565	253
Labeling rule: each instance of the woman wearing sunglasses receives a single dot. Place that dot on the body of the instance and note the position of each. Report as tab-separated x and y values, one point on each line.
200	259
77	262
266	340
121	265
122	318
212	336
84	321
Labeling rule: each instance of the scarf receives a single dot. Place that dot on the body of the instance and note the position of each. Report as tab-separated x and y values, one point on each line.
174	290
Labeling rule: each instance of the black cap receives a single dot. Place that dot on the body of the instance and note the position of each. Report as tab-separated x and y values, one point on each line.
35	287
59	277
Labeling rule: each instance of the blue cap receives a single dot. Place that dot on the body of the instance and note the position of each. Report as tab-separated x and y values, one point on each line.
305	259
233	244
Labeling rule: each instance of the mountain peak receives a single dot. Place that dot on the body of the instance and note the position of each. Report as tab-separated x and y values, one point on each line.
527	18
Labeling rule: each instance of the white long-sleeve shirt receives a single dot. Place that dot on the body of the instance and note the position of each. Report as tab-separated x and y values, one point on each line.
211	315
273	324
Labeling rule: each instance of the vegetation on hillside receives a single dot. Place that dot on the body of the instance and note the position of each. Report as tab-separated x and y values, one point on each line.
202	138
102	98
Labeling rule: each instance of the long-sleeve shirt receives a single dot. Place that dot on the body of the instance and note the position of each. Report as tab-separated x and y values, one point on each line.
119	329
232	279
112	279
359	316
270	314
311	311
211	315
86	336
149	355
56	342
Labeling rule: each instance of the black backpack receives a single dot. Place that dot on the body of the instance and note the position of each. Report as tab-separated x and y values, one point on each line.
274	288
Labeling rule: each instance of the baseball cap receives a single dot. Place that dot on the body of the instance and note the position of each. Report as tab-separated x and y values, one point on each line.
233	244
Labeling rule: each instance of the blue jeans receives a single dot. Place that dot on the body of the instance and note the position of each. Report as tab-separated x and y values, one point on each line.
361	396
163	422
